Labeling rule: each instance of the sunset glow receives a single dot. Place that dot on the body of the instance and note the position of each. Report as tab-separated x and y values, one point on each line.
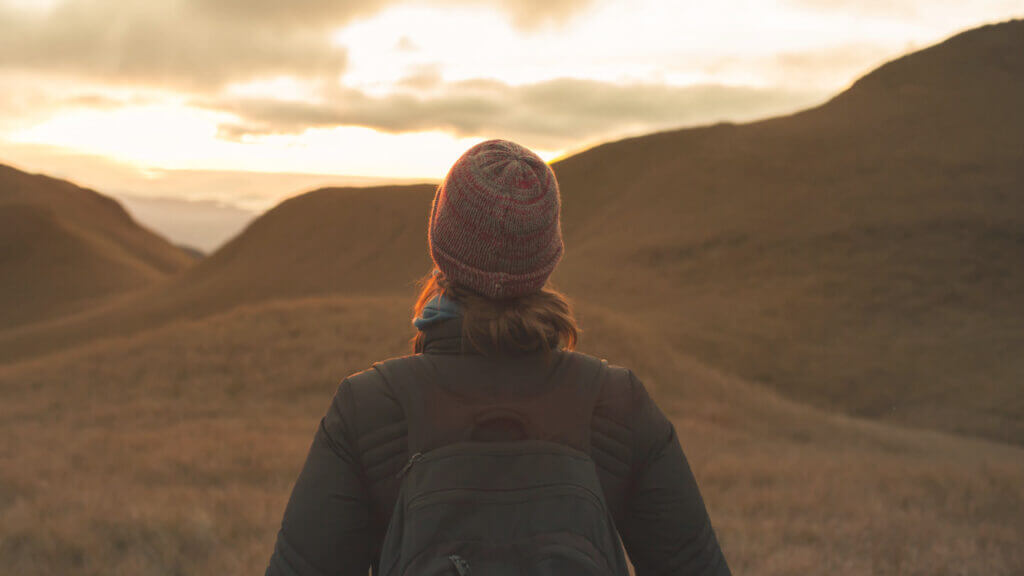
396	91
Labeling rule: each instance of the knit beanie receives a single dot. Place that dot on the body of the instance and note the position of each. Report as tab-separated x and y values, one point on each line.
494	224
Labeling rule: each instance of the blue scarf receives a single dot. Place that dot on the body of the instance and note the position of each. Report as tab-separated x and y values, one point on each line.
438	309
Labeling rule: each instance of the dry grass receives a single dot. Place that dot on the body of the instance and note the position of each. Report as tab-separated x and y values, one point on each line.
174	453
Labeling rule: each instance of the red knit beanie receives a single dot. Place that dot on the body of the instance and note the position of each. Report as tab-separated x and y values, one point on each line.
494	224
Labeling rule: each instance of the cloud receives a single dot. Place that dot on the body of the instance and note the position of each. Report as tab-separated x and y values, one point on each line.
405	44
161	43
823	68
203	44
423	78
24	101
306	13
888	8
532	13
552	114
957	13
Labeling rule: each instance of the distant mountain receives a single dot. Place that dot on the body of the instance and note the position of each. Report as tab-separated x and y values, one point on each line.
63	247
864	255
195	253
203	224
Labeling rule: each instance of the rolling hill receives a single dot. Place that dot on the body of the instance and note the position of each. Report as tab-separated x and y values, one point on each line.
184	441
353	241
862	255
63	248
332	240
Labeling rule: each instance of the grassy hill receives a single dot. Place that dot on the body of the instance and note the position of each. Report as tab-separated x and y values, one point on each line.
355	241
182	444
863	255
333	240
65	248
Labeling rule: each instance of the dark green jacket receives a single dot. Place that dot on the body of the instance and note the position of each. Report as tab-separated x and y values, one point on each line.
338	512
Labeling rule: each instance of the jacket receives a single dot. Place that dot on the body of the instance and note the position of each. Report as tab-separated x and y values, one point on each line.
341	503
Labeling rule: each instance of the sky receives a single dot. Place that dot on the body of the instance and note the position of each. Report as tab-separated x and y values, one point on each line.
246	102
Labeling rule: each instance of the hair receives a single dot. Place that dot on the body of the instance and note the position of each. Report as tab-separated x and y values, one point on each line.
541	320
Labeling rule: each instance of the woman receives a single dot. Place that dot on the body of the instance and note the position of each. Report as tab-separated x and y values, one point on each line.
491	339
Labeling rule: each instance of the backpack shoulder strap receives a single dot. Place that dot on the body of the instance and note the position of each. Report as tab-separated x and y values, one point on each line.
569	410
406	377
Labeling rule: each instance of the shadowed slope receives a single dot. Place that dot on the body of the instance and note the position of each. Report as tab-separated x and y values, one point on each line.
63	248
354	241
864	255
333	240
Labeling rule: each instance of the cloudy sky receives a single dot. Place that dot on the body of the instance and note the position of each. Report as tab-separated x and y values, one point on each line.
249	101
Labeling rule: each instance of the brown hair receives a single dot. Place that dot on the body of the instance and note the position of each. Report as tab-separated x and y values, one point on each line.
538	321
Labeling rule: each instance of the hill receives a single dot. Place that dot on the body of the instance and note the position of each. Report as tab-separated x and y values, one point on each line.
863	255
354	241
63	248
184	441
332	240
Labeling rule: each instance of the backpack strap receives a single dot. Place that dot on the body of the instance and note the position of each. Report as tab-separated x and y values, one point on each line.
437	417
405	376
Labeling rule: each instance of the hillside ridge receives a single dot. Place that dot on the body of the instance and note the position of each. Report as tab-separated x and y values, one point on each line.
68	248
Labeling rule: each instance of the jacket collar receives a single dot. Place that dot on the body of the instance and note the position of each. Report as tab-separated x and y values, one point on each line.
444	337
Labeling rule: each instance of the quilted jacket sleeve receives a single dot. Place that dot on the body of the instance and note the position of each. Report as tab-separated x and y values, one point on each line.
326	524
666	530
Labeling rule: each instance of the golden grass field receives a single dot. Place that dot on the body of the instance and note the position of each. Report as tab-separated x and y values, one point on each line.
174	453
828	305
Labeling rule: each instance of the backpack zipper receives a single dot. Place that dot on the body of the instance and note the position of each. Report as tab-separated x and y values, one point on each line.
461	566
412	460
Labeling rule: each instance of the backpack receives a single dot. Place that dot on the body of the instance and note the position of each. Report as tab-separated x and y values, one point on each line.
503	496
